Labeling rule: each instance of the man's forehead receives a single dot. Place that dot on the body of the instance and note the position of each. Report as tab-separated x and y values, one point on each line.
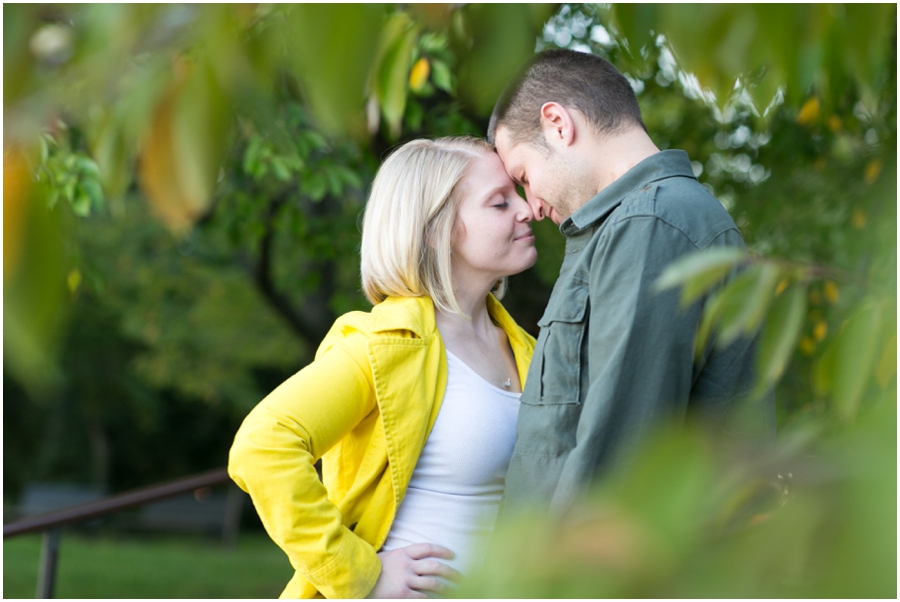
503	144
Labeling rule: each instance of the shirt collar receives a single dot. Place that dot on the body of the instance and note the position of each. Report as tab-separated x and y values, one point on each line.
664	164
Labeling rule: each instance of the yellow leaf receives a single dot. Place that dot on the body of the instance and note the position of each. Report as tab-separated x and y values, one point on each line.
858	219
73	279
809	113
781	286
179	155
820	330
873	168
832	293
418	75
16	188
807	345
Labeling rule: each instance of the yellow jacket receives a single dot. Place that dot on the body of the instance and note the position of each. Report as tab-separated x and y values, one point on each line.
365	406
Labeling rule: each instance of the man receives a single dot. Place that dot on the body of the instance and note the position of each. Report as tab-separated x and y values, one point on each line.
614	357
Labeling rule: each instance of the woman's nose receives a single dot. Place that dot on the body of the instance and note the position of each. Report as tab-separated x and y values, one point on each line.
526	213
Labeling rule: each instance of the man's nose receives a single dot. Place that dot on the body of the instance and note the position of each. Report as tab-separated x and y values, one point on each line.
537	206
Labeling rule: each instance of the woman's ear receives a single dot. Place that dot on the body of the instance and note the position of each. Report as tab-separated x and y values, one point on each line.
557	124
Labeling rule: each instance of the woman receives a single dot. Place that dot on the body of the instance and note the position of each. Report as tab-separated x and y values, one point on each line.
412	406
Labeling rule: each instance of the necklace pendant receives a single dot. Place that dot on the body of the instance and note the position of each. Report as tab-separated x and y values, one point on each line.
508	383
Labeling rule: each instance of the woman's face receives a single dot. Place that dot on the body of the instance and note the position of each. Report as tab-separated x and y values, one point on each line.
493	235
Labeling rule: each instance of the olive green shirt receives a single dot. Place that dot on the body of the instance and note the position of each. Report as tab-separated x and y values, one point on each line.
614	357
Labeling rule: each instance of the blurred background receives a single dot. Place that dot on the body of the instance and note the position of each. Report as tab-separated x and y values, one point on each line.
182	188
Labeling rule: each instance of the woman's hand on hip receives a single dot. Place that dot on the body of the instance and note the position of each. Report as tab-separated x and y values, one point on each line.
413	572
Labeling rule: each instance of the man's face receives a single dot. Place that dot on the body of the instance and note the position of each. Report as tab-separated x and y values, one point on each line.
550	184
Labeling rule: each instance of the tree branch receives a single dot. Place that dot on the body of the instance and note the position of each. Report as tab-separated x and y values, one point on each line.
308	325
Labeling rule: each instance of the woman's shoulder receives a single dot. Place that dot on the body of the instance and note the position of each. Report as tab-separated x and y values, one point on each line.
395	317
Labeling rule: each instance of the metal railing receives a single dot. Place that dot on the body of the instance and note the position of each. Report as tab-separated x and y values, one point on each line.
52	522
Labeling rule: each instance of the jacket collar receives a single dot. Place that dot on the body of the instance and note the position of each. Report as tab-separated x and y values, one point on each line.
415	314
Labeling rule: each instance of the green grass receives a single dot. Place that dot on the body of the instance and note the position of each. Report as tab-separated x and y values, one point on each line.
114	566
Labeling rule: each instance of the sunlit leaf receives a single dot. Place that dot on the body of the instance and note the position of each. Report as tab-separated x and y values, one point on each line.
700	271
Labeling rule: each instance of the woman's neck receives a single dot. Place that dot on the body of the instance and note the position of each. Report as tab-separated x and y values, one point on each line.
476	320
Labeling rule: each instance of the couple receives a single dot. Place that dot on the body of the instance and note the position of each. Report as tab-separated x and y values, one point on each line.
414	407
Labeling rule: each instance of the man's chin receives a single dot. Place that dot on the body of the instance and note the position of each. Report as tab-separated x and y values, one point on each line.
555	217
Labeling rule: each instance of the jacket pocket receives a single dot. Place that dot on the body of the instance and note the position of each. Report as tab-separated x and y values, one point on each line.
558	350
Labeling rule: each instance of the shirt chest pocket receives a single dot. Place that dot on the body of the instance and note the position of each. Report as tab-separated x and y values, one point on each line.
558	350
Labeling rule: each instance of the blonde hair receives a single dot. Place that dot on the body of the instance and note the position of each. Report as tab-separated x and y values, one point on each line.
410	221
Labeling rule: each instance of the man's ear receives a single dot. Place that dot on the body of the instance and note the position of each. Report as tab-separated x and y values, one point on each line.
557	124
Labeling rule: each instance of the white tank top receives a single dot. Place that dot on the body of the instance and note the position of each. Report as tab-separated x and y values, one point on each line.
455	489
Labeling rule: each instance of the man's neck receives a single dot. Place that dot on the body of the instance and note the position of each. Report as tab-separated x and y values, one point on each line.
617	155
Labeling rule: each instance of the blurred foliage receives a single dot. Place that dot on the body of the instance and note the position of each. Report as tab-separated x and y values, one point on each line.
814	517
182	192
205	167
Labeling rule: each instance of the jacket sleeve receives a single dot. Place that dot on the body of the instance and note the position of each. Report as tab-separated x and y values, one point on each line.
639	349
273	458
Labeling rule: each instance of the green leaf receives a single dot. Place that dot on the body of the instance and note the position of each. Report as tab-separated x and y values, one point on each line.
855	358
349	176
392	71
783	327
335	186
755	302
280	169
414	115
441	75
332	47
886	370
69	188
94	191
81	205
737	308
700	271
315	186
824	369
251	155
86	166
711	316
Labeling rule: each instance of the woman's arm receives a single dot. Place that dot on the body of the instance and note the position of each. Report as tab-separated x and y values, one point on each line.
273	458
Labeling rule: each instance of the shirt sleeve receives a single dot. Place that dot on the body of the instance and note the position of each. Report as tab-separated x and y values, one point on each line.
638	348
273	459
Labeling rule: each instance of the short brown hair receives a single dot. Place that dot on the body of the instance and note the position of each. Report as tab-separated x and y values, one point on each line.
576	80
